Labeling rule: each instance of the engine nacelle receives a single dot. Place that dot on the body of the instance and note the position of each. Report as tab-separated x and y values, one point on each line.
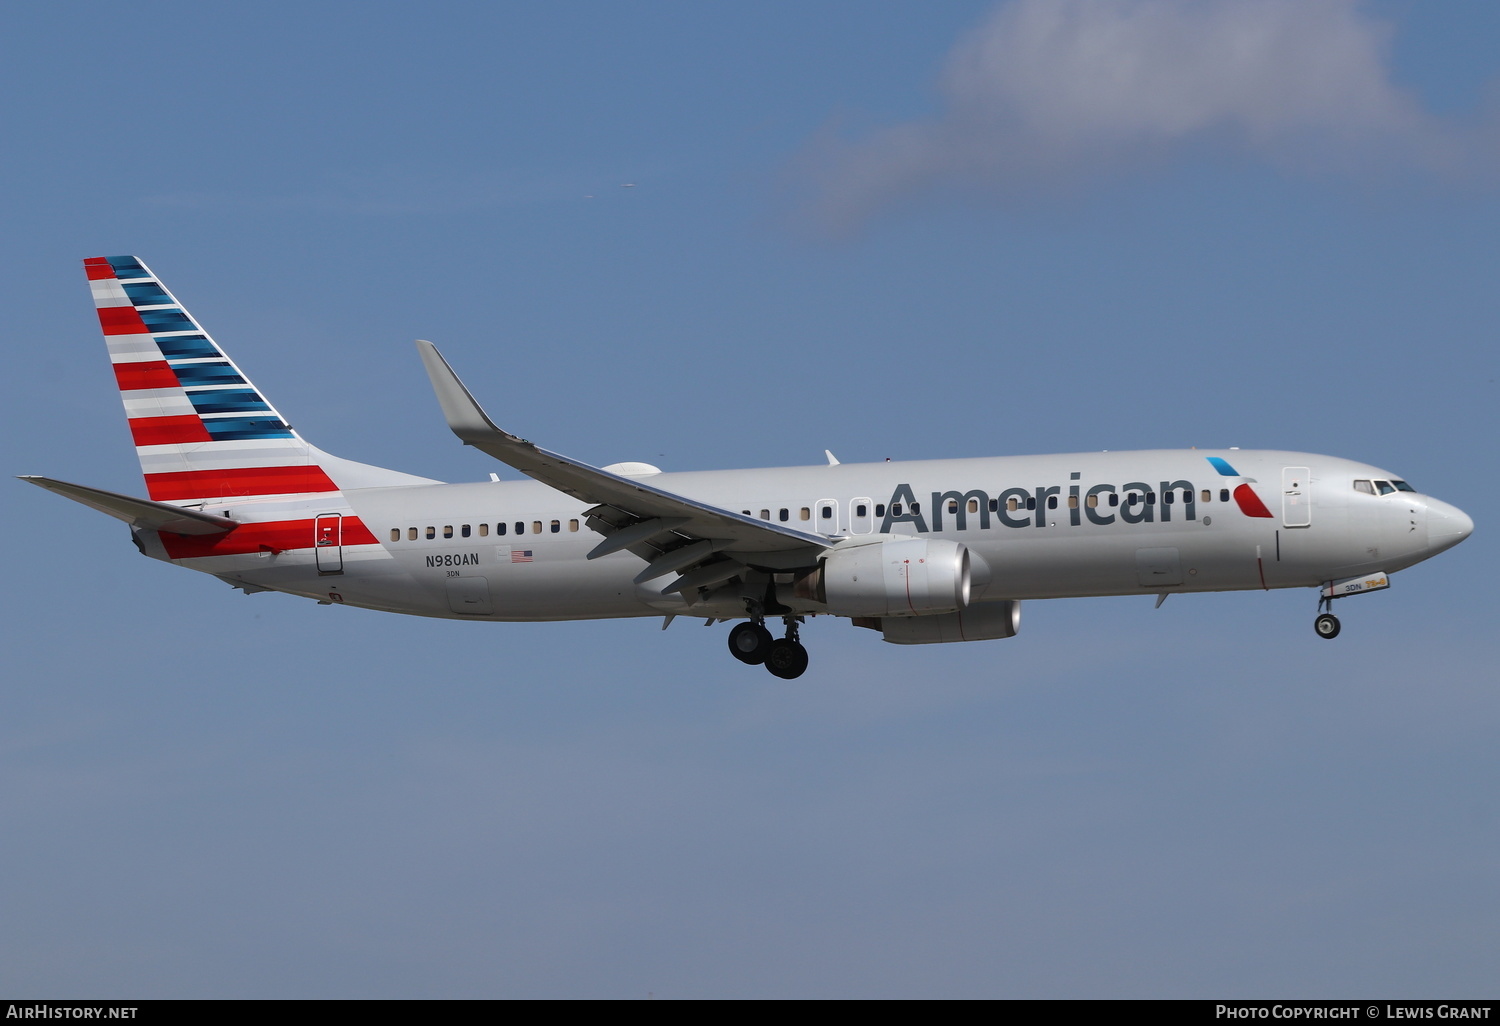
983	621
897	577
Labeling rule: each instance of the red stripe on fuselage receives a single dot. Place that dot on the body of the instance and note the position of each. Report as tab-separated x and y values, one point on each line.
168	430
97	268
151	374
121	320
204	484
1250	503
277	536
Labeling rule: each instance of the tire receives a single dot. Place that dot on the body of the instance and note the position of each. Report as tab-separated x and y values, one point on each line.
1327	625
749	643
787	659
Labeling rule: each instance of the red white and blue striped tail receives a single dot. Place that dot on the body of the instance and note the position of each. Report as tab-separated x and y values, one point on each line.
203	432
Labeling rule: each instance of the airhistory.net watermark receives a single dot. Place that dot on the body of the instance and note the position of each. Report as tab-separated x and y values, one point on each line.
43	1010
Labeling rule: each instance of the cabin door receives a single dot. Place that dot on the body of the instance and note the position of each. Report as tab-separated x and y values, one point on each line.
328	543
1296	498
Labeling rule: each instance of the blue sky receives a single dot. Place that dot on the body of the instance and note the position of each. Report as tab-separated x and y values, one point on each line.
888	230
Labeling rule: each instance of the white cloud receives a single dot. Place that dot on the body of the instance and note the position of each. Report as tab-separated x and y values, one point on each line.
1048	91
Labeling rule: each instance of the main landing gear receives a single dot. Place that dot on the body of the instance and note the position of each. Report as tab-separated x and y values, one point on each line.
784	657
1327	625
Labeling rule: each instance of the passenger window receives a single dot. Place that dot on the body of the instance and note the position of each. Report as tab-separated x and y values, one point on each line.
395	534
1051	502
411	534
1151	498
1072	502
431	533
916	508
557	527
784	514
536	527
464	530
1092	501
484	530
826	512
572	525
1031	502
994	505
952	505
501	527
1011	505
765	514
447	530
520	527
895	509
1223	494
973	505
1168	497
859	511
1114	498
880	509
805	514
1206	496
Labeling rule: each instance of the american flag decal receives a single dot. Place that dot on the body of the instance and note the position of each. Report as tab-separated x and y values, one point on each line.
520	555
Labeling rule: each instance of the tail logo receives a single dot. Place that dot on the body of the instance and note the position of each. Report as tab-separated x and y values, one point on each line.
202	431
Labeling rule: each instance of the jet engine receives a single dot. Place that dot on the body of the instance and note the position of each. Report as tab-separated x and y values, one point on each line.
895	577
983	621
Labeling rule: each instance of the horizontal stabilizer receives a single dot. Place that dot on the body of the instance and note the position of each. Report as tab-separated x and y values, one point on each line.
158	516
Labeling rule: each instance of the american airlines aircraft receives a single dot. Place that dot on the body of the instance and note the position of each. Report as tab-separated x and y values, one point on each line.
923	552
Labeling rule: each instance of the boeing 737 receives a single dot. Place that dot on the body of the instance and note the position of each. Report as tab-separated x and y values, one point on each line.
923	552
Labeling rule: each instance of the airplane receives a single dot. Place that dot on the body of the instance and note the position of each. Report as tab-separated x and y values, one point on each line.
924	552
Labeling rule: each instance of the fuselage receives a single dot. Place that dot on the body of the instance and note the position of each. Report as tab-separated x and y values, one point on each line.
1082	524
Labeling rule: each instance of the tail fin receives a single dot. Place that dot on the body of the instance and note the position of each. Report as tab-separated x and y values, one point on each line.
202	431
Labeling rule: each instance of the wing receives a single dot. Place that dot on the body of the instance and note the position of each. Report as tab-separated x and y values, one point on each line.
705	543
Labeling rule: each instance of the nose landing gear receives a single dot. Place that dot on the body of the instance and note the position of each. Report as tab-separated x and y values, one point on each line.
752	643
1327	625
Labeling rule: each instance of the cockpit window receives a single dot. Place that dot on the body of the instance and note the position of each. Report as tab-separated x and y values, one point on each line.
1402	486
1384	487
1364	486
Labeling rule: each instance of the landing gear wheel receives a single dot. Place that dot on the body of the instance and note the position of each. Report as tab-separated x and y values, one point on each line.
750	642
787	659
1327	626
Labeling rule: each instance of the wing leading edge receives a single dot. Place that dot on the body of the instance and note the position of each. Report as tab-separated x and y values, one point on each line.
703	542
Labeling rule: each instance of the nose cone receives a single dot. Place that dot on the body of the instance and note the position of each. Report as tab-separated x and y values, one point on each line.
1446	525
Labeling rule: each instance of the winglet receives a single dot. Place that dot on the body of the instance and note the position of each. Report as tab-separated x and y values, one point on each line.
640	500
465	417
